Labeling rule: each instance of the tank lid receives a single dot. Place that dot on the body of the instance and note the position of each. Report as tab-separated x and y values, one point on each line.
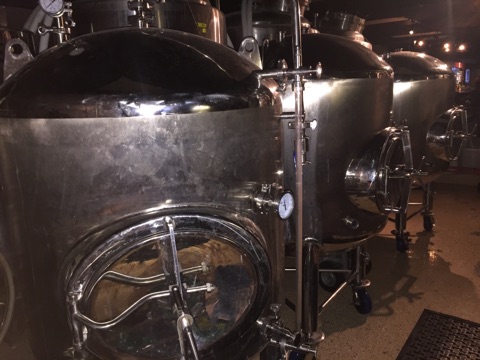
410	65
340	57
114	73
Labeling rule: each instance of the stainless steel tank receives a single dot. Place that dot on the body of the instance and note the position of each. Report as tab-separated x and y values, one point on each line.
424	96
132	166
424	90
271	20
343	24
193	16
349	109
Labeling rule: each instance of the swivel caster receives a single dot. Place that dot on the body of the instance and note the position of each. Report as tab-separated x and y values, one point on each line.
362	301
330	280
295	355
428	222
402	242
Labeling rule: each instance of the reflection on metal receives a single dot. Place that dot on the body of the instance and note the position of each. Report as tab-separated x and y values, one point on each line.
343	24
448	136
101	176
218	301
17	55
250	49
375	178
424	90
17	47
192	16
7	296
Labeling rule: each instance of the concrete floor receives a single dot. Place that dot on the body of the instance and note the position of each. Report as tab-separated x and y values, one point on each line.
440	272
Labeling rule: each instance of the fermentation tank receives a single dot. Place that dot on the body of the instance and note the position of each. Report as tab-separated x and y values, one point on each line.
140	171
192	16
349	112
353	163
424	95
424	90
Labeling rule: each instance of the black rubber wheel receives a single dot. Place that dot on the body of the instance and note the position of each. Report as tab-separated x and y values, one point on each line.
295	355
428	222
402	243
330	281
362	301
368	264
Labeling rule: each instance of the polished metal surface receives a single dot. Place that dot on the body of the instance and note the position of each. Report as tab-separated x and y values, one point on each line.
193	16
15	45
348	107
270	21
122	130
343	24
424	89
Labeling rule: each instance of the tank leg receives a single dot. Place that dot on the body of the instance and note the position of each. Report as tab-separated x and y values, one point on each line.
361	298
428	219
401	235
311	262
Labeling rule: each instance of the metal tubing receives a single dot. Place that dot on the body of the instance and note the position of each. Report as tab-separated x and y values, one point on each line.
310	286
298	89
340	288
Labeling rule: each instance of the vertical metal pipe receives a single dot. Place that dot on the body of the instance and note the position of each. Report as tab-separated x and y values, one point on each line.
311	257
298	89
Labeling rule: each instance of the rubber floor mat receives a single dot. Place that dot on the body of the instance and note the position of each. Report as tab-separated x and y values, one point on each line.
438	336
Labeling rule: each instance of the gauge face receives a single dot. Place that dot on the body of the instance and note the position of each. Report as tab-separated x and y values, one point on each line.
52	7
286	205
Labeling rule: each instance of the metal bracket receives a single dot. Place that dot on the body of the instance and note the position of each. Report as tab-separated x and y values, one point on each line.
17	54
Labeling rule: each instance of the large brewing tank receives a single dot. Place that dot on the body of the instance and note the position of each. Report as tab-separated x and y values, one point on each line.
193	16
350	142
115	147
424	95
343	24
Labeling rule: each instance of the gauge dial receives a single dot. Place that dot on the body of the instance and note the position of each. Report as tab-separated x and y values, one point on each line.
52	7
286	204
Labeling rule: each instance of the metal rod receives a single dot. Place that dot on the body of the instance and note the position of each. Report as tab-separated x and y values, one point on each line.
340	288
298	88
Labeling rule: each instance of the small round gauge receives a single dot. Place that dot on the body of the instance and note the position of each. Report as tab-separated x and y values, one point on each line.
286	204
52	7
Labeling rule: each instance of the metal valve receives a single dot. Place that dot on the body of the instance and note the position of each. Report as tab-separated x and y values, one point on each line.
288	341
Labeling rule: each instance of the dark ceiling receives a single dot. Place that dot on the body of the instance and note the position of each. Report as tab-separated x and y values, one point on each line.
435	22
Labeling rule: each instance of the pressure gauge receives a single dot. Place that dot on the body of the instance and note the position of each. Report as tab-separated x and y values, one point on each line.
286	204
52	7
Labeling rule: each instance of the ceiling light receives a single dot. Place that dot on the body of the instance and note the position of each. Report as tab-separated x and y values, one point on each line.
462	47
411	32
446	46
421	43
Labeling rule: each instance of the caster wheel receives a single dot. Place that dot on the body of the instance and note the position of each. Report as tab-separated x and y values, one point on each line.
428	222
294	355
330	281
402	242
362	301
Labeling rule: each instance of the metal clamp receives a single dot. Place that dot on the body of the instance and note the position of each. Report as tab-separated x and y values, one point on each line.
144	16
452	135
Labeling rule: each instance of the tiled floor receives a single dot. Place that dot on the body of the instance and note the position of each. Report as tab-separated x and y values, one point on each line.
441	272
